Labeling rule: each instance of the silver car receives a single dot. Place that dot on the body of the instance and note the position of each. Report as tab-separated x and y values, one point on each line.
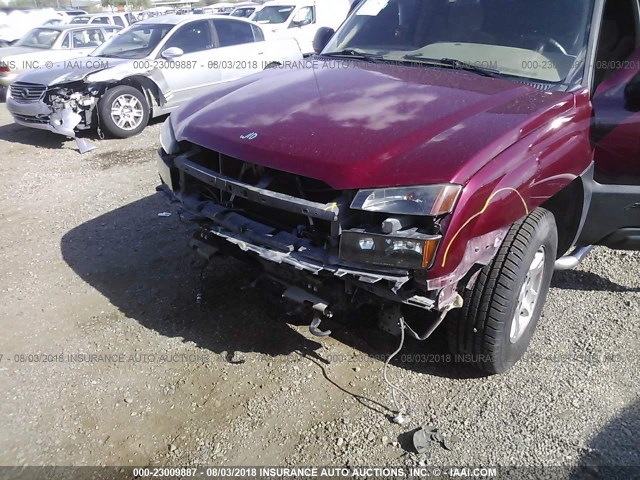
51	44
147	70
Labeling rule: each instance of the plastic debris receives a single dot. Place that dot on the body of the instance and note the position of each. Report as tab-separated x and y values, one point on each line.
84	146
421	440
164	214
399	419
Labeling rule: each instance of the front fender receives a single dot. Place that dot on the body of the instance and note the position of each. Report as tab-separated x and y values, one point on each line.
509	187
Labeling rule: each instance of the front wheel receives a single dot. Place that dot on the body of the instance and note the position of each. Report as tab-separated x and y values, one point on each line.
494	327
123	111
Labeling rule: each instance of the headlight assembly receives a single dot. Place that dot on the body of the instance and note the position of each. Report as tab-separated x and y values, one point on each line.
168	138
429	200
413	251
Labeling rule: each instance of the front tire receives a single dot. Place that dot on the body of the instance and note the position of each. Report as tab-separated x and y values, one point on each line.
496	323
123	111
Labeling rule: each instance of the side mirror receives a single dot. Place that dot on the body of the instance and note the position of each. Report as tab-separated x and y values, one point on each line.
172	52
323	35
632	94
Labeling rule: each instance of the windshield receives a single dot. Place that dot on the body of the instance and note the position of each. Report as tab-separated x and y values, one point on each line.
80	20
39	38
243	12
137	41
543	41
274	14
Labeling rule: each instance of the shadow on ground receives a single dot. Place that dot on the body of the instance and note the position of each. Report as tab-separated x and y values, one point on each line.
142	264
614	452
46	139
587	281
30	136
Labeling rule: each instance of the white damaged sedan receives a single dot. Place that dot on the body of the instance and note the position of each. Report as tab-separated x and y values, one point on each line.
147	70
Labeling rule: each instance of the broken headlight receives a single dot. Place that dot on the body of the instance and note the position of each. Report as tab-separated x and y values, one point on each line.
62	92
412	250
168	138
432	200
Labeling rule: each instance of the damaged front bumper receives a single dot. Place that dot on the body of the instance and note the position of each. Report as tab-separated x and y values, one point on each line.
52	111
285	257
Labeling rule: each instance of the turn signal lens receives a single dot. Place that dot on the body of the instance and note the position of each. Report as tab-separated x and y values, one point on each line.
429	252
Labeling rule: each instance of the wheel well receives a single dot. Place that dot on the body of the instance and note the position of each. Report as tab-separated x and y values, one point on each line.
568	208
147	87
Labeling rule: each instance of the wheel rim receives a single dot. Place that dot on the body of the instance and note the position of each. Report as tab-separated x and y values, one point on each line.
529	295
127	112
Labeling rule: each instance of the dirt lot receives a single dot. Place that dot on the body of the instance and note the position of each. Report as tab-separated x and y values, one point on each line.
87	267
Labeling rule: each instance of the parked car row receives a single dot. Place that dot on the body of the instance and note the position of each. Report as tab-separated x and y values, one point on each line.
51	44
122	19
300	19
14	24
240	9
148	69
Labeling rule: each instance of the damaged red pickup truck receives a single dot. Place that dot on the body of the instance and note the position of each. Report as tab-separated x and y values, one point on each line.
440	155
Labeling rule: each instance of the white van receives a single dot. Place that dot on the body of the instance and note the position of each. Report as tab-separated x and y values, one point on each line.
122	19
301	19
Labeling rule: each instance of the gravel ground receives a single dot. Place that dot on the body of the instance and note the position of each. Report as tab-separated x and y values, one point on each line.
88	267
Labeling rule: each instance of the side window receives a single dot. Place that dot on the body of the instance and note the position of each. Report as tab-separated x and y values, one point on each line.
304	16
231	32
92	37
118	21
110	32
257	33
66	43
618	36
102	20
193	37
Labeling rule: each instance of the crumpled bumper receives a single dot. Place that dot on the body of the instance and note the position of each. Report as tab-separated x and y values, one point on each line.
258	239
39	115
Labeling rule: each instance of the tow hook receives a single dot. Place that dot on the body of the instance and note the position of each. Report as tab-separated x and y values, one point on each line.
313	328
319	307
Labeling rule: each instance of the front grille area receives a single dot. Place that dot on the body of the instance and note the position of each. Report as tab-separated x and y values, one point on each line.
304	188
274	180
27	92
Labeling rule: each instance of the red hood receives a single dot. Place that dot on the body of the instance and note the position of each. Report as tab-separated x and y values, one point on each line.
357	125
